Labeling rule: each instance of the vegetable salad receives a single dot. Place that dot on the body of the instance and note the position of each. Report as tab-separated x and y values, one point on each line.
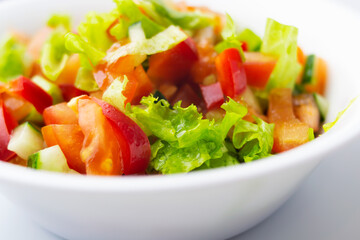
155	88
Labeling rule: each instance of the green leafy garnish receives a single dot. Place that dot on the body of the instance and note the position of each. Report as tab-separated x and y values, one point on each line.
54	54
230	38
57	20
13	60
253	41
280	41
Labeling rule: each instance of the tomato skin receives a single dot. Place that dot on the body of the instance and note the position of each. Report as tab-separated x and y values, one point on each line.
289	131
69	91
32	93
70	140
231	72
187	96
100	150
134	144
144	86
258	69
245	46
59	114
18	107
213	95
173	66
7	124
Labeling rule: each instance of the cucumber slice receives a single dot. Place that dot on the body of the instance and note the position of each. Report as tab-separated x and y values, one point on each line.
322	104
309	71
136	32
25	140
52	89
50	159
34	117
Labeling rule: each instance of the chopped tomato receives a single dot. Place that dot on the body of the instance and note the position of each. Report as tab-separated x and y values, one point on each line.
37	42
69	73
244	46
258	68
205	66
69	91
306	110
18	107
116	21
289	132
144	87
320	76
134	144
70	140
59	114
101	150
173	66
32	93
301	58
7	124
187	96
213	95
231	72
168	90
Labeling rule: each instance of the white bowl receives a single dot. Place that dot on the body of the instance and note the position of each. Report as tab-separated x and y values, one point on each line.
214	204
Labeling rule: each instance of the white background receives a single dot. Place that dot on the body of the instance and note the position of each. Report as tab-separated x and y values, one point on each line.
325	207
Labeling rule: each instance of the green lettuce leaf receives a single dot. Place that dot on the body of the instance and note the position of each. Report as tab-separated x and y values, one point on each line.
161	42
280	41
187	20
85	80
254	141
230	38
57	20
128	9
54	54
93	29
330	125
253	41
76	44
13	60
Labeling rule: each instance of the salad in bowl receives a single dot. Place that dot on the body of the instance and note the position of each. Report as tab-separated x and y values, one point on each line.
155	88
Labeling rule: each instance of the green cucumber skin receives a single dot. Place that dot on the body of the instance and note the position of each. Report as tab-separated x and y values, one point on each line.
33	161
309	70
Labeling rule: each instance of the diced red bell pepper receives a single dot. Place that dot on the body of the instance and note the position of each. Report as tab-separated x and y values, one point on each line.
32	93
69	91
70	140
7	124
173	66
59	114
213	95
289	132
187	96
258	68
231	72
134	144
101	150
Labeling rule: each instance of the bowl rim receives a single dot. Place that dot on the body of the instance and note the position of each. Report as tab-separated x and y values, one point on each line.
345	131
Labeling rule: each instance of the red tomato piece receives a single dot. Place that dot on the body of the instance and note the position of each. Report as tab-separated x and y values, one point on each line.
144	87
32	93
213	95
7	124
69	91
134	144
245	46
70	140
173	66
231	72
258	68
101	150
187	96
59	114
18	107
320	76
289	131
